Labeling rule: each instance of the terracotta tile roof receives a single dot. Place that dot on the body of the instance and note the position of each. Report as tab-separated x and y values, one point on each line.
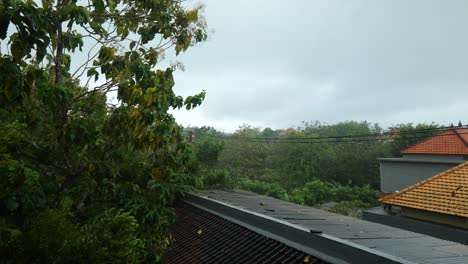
286	132
453	141
201	237
445	193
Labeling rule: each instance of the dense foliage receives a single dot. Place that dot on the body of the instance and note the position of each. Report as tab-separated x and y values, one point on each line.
291	165
86	180
83	180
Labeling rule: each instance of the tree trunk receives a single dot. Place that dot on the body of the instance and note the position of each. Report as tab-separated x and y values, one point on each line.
59	50
61	112
60	115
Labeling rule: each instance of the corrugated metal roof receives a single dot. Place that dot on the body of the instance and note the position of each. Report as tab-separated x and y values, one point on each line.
201	237
445	193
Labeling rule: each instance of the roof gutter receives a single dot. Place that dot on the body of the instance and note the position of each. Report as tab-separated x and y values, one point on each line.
433	161
313	242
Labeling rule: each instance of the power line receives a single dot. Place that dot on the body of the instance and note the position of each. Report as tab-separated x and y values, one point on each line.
352	136
372	137
317	142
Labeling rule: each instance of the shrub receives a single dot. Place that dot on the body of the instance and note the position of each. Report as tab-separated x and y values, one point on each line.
216	178
208	150
50	238
270	189
113	236
355	193
317	192
53	238
351	208
297	196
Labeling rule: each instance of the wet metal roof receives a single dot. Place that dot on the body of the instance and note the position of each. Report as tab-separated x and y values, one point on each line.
202	237
367	238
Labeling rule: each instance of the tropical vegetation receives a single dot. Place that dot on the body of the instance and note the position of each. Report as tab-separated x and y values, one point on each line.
313	164
84	179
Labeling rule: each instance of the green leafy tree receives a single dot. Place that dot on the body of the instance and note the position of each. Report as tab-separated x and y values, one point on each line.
61	141
268	133
199	132
410	134
208	151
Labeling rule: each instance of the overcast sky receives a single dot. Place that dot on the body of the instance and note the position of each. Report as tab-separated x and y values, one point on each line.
275	63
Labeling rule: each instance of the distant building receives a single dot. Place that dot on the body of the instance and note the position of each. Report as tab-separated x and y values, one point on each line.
393	132
286	132
424	159
441	199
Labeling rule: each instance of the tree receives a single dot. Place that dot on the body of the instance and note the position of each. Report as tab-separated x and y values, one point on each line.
410	134
246	130
208	151
268	133
63	143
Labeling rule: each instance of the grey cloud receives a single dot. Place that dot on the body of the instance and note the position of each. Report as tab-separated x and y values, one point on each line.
277	63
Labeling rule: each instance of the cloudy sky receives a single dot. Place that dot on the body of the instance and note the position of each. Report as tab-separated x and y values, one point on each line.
276	63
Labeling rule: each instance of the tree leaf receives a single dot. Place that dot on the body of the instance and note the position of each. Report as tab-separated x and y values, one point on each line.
99	6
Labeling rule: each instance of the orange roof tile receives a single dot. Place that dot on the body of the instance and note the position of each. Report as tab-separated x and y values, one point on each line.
287	131
453	141
445	193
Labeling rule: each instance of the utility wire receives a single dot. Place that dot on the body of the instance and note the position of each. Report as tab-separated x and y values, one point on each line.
372	137
346	136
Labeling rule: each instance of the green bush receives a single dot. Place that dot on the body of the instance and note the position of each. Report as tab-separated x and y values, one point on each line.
317	192
114	238
50	238
216	178
354	193
350	208
297	196
270	189
208	150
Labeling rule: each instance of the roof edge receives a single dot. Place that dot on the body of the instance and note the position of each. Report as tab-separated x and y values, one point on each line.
460	137
313	242
386	199
424	140
407	160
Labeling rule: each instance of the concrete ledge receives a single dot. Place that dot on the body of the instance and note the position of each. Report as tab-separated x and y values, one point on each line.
407	160
378	215
313	242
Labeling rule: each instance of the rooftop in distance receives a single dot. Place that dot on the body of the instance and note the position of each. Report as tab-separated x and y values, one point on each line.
445	193
450	142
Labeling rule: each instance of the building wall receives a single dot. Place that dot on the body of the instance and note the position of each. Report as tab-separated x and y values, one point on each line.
397	174
445	219
379	215
425	157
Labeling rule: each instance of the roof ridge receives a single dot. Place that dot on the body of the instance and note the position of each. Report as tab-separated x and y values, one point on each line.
320	245
460	137
386	199
423	141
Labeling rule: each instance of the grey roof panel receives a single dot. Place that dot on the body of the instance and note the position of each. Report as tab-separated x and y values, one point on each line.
397	242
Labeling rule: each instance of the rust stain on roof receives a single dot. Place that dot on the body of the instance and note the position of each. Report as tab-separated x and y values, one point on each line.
445	193
451	142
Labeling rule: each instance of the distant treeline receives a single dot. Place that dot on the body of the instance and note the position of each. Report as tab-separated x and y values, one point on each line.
286	163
